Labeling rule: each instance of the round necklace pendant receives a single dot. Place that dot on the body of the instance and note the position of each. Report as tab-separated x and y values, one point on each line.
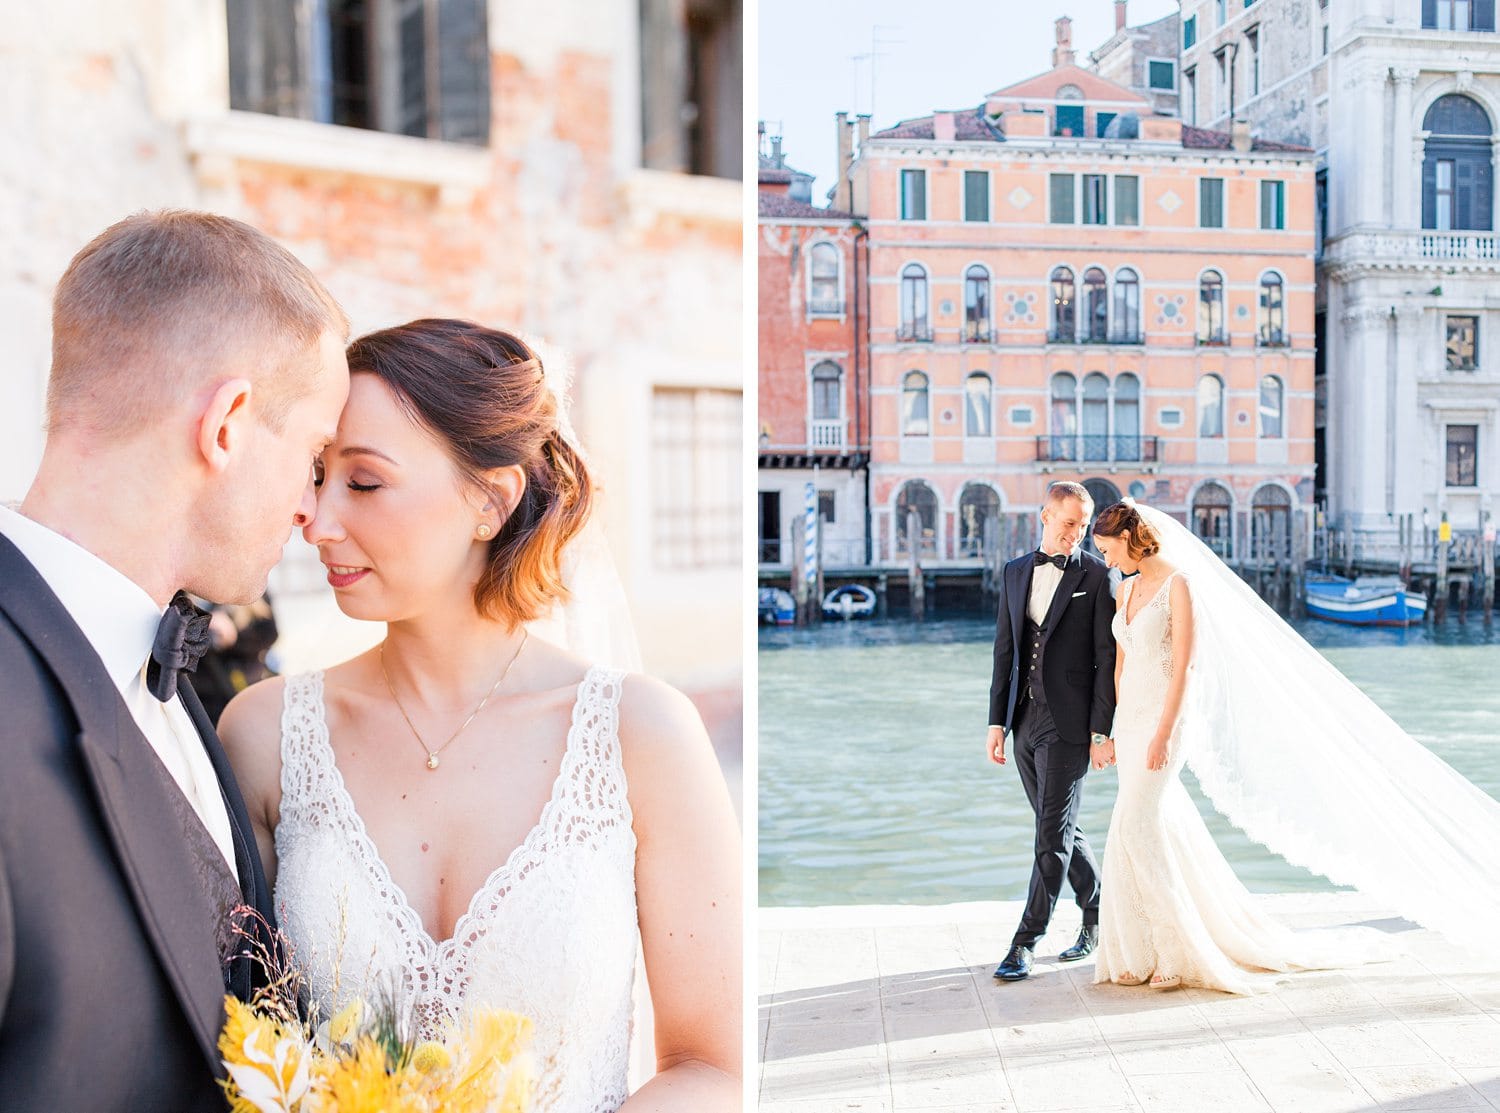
432	761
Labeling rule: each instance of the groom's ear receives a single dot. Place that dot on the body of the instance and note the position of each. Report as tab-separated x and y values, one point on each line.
223	423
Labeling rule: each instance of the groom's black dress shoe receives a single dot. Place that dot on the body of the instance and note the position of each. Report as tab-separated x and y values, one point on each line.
1088	939
1016	966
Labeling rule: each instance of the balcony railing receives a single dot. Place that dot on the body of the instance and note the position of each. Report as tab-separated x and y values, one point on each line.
914	330
1115	336
1426	243
828	434
826	307
977	334
1271	338
1096	449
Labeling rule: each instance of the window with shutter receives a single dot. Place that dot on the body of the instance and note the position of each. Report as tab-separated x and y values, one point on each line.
1061	187
1211	202
1127	199
976	195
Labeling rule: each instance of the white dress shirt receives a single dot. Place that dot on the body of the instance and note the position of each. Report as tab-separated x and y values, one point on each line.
119	620
1044	581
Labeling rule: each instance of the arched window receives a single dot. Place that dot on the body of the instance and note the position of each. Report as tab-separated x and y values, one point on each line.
914	324
1062	418
1211	308
1272	406
914	421
825	290
1068	118
1270	524
1210	406
977	406
1062	329
1211	510
1095	307
977	305
916	496
1127	307
827	405
1271	326
1457	169
1127	441
1095	417
977	506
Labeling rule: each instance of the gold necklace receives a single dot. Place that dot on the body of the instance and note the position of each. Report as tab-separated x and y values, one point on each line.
432	755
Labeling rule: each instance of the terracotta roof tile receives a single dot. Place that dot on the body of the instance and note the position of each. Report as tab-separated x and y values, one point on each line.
779	205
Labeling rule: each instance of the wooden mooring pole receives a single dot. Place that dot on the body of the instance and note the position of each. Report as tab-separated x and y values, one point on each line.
914	578
1440	599
1487	565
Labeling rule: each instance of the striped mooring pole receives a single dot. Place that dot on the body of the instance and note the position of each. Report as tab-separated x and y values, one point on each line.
810	547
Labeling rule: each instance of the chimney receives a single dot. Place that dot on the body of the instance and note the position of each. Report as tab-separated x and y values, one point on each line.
776	157
1120	14
943	127
841	189
864	130
1062	53
1239	135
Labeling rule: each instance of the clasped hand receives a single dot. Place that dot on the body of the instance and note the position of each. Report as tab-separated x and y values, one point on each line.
1103	754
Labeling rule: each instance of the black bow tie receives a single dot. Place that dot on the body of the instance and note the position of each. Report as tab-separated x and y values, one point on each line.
181	641
1060	561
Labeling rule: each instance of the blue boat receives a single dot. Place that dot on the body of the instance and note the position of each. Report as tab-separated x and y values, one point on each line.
776	607
1367	601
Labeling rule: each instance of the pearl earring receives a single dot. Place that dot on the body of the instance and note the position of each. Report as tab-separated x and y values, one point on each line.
483	531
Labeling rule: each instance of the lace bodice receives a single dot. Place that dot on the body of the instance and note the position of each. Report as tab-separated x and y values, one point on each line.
1147	643
552	933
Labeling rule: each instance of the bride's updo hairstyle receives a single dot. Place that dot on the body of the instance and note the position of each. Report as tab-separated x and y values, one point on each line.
1123	517
483	394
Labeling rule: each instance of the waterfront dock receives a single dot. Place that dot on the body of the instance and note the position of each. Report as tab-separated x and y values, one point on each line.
884	1009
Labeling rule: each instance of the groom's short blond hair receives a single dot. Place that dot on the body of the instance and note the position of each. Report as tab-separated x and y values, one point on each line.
162	303
1067	489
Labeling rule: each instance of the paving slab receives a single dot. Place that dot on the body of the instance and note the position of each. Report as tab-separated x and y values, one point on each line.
889	1009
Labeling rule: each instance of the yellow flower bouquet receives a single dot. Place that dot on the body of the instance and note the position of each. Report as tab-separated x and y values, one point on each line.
362	1060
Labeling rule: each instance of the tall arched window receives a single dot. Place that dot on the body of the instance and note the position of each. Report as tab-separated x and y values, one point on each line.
1272	406
1211	510
917	496
977	305
914	324
1211	308
914	421
977	506
1127	307
1095	307
1270	524
1457	168
1062	329
825	290
977	421
1062	418
1210	406
827	405
1271	326
1095	417
1127	417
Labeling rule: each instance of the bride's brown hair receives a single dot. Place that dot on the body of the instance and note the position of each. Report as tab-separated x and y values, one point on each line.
1123	517
483	393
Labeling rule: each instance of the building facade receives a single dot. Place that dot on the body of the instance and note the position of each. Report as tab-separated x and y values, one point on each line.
1065	285
1402	102
569	172
813	426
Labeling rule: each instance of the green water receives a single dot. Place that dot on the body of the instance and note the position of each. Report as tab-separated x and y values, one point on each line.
875	789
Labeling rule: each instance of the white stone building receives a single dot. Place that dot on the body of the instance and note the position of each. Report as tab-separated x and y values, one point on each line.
1402	102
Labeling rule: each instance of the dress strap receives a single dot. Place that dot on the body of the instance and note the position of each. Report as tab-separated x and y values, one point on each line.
304	744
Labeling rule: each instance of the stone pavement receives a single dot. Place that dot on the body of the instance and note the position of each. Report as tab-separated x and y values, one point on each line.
894	1008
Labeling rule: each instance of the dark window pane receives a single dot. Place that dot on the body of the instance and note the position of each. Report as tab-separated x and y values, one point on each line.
1062	198
976	195
1462	343
1069	120
1127	199
1463	443
1160	75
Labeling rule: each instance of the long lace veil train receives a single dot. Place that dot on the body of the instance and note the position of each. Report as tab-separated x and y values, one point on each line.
1295	755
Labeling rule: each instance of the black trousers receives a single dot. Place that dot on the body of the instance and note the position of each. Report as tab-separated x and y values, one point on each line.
1052	772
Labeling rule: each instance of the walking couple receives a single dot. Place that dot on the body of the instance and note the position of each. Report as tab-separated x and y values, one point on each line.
1182	664
469	816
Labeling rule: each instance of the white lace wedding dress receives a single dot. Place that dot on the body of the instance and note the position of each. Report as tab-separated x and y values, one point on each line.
551	934
1170	903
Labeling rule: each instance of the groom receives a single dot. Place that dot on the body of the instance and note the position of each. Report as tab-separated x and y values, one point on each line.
1054	689
197	370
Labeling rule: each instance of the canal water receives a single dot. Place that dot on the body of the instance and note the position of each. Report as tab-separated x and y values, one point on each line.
875	788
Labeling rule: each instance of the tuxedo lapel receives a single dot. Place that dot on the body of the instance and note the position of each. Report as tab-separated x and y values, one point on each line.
1072	574
143	823
1020	595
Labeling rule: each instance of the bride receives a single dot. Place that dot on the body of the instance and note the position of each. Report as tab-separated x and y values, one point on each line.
1288	750
466	810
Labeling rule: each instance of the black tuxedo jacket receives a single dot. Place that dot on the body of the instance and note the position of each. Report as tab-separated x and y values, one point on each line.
1078	649
111	988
